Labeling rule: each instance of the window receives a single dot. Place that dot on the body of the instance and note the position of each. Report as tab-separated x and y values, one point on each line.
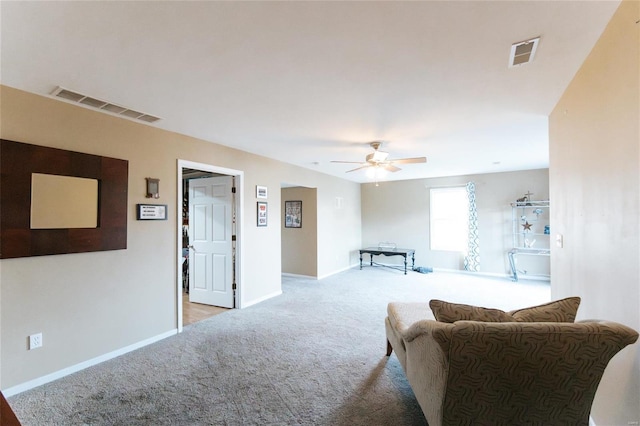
449	218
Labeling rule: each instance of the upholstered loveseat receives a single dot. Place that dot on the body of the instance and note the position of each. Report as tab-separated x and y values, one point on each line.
532	366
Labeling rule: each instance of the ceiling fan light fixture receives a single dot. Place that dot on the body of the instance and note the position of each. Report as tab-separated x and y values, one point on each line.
371	172
376	173
377	162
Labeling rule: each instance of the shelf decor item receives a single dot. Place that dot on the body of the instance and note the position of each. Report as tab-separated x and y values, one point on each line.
530	236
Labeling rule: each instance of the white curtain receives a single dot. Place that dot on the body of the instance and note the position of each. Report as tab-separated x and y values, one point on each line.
472	258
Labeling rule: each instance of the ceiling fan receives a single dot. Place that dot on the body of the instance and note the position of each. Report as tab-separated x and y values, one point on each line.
379	159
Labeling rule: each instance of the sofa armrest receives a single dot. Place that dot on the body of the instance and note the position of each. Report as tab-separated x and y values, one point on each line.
440	332
520	372
427	365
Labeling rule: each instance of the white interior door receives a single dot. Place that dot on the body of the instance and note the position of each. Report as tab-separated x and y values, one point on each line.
210	241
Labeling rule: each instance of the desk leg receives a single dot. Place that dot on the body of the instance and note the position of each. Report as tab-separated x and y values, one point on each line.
405	264
413	261
361	261
371	259
512	263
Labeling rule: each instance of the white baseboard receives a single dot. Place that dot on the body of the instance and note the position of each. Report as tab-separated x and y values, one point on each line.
478	274
494	274
261	299
14	390
346	268
306	277
309	277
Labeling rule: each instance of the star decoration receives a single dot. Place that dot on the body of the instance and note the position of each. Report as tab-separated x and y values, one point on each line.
526	226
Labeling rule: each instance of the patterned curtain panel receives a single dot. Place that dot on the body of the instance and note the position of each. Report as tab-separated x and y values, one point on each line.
472	259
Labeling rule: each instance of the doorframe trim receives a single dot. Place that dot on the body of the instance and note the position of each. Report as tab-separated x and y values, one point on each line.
239	203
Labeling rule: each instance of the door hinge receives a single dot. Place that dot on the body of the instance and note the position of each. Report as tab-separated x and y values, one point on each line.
234	286
233	189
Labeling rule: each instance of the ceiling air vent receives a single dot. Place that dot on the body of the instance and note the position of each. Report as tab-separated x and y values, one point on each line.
101	105
523	52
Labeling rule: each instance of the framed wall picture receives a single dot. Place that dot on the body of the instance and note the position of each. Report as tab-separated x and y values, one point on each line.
261	192
293	214
20	238
262	213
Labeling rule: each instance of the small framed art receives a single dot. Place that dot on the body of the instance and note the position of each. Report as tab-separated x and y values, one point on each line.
262	213
261	192
293	214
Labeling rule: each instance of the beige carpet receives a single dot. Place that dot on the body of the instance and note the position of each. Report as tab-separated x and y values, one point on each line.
313	356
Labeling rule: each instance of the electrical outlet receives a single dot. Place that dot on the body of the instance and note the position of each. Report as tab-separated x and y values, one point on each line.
35	341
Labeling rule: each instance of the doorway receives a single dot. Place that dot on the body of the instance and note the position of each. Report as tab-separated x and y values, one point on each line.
299	238
209	235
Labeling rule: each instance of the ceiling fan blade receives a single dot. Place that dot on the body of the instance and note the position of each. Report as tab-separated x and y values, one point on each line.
358	168
347	162
391	168
410	160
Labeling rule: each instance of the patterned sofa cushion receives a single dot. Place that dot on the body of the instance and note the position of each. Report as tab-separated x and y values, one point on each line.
452	312
563	310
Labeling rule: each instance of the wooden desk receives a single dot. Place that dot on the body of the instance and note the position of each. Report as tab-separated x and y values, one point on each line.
376	251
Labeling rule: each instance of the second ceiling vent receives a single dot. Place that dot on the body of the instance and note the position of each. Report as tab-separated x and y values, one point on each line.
523	52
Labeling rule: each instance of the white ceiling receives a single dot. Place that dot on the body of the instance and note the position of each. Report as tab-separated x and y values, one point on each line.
310	82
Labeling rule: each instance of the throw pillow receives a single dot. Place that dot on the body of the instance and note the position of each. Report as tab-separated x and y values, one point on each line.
452	312
563	310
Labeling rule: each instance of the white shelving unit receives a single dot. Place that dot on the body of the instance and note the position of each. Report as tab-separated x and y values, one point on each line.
530	233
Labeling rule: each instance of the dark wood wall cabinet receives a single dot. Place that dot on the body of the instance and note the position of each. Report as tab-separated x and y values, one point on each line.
18	161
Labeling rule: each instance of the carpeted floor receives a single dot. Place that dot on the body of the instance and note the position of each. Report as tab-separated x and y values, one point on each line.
313	356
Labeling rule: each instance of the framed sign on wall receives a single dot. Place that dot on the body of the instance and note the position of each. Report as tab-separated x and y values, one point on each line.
151	212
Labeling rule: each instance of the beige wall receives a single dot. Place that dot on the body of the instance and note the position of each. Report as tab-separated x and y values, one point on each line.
399	212
339	225
300	245
91	304
595	184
